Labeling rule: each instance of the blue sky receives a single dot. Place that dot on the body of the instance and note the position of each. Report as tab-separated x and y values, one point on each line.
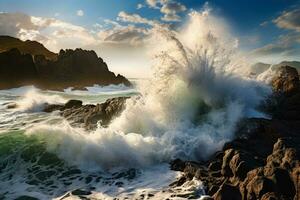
252	21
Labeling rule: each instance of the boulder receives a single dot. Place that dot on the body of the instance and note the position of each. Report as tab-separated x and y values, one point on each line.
286	80
227	192
88	116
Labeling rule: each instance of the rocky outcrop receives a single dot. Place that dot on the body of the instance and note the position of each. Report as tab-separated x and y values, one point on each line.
76	68
70	68
286	81
262	163
88	116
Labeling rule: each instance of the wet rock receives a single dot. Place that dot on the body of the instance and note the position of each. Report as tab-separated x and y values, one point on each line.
269	196
226	170
262	162
259	186
215	166
80	192
88	116
286	80
227	192
177	165
283	183
24	197
73	104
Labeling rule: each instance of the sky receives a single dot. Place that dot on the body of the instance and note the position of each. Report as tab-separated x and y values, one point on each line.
268	30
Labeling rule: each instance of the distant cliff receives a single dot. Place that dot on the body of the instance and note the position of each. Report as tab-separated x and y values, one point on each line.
25	64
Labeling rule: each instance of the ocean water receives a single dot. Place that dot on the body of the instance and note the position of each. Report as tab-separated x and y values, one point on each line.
29	168
199	91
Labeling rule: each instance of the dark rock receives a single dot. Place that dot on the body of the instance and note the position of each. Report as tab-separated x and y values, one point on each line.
227	192
215	166
269	196
284	184
286	80
177	165
73	104
259	186
89	115
80	192
52	107
262	162
24	197
16	69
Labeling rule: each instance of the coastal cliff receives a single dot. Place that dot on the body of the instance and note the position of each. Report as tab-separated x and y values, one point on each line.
24	65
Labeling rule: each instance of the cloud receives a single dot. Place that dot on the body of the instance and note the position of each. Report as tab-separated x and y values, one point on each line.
264	23
12	23
80	13
53	33
130	35
289	20
152	3
169	8
172	8
285	45
139	6
134	18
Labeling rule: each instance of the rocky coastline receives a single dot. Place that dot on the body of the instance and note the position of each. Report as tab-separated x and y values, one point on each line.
261	163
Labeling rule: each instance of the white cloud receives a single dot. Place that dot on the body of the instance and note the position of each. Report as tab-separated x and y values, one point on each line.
134	18
80	13
170	8
139	6
285	45
130	35
152	3
289	20
11	23
53	33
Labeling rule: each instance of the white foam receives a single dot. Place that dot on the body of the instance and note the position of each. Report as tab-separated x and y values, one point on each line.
34	101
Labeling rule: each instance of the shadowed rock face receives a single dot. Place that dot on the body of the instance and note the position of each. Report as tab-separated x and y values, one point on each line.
260	164
70	68
16	69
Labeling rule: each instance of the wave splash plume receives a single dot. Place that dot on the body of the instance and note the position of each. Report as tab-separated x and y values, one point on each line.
189	109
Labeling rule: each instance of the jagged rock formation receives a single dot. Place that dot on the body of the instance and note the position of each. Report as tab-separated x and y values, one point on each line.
32	63
263	163
89	115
